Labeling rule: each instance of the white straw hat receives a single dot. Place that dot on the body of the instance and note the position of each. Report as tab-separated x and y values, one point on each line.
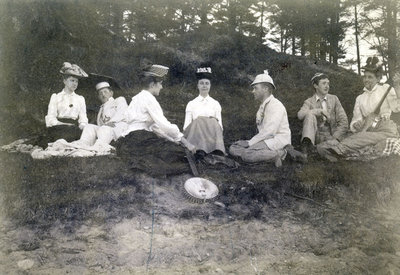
102	85
157	70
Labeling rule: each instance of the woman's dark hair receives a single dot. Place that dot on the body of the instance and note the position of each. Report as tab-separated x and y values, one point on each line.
208	78
378	72
374	66
146	80
66	76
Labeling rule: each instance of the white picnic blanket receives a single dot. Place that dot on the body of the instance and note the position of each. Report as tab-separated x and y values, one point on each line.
59	148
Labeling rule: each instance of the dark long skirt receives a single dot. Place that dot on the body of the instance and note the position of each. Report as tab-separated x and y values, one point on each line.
51	134
156	156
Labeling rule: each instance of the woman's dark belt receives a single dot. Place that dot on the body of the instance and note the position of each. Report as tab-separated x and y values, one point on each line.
68	120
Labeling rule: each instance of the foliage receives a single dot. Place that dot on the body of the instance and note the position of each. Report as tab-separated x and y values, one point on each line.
379	24
111	37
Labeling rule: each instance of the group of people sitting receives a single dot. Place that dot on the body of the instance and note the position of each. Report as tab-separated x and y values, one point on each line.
140	129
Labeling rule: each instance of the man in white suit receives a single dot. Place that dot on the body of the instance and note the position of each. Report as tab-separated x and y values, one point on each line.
111	120
272	124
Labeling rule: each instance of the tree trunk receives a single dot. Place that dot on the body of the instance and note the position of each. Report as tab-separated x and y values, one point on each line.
285	45
391	17
182	25
334	41
312	47
322	49
232	24
117	18
262	22
203	13
293	44
302	45
357	42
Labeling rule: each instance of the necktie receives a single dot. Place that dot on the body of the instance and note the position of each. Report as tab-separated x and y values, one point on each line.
324	107
101	119
260	114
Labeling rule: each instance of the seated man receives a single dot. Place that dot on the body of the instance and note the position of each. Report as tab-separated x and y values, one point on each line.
272	123
111	120
324	118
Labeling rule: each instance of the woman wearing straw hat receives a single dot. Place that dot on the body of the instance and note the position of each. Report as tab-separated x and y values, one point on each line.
151	142
203	122
66	115
368	128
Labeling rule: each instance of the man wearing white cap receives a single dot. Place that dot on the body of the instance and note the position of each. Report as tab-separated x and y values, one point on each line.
111	120
324	119
272	124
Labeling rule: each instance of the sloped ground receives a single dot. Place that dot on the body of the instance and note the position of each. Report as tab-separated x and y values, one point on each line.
94	216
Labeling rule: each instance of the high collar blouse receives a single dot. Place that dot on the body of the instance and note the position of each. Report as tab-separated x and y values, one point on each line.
66	105
368	101
145	113
202	106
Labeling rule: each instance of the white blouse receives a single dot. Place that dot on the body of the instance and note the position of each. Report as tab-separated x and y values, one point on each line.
145	113
202	106
63	105
367	102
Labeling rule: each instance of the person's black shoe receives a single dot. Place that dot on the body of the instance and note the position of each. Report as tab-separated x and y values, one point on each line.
200	154
306	146
212	159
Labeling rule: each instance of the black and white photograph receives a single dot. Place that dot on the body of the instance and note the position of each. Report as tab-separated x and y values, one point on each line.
200	137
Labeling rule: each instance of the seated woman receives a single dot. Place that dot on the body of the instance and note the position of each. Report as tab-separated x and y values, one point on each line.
151	142
368	129
203	123
66	116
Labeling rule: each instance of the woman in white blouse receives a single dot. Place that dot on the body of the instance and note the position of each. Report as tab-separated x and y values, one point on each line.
203	122
367	128
66	115
151	143
145	113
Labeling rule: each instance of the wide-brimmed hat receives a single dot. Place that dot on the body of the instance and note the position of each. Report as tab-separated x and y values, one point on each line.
317	77
73	70
373	65
156	70
263	78
102	85
204	72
